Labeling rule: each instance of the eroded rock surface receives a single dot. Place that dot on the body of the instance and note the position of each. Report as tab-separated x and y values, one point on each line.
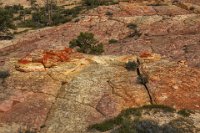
74	94
53	89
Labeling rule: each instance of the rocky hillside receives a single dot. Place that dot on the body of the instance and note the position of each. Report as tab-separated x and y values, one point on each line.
50	88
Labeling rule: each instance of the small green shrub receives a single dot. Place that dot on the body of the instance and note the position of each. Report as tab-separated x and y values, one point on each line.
142	79
108	13
157	106
155	4
112	41
135	31
146	126
179	125
99	2
121	120
105	126
136	34
73	12
192	8
6	20
86	43
185	112
132	26
124	122
4	74
26	130
27	11
131	111
14	8
58	18
131	66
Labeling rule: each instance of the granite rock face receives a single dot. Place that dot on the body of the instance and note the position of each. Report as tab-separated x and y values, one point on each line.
54	89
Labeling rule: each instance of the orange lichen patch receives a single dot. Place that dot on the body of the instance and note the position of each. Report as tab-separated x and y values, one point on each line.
145	54
52	56
24	61
60	55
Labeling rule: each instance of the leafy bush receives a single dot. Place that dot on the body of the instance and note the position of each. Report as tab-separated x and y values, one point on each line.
86	43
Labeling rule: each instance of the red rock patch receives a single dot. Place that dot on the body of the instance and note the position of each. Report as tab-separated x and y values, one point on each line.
48	58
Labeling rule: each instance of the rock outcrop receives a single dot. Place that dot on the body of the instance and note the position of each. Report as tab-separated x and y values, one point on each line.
54	89
76	93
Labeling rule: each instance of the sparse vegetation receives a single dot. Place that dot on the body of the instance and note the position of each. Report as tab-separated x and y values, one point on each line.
113	41
36	17
179	125
6	20
4	74
14	8
135	33
73	12
185	112
132	26
158	106
27	130
86	43
142	79
15	16
106	125
131	111
95	3
131	66
131	121
108	13
41	19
